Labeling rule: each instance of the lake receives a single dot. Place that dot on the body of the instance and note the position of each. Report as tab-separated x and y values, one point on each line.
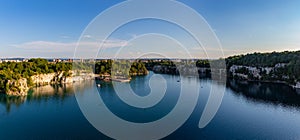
249	110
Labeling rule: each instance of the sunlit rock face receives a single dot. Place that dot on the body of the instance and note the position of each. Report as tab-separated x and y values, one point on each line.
43	79
20	87
17	87
51	78
297	85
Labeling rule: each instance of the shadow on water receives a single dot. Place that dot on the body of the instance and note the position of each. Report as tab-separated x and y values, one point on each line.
269	93
38	94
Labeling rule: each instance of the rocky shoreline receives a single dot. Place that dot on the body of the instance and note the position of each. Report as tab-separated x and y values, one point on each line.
249	73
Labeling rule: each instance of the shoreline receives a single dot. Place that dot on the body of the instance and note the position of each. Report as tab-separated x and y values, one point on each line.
108	78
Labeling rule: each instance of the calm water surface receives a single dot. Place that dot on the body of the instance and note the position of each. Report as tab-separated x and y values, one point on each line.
248	111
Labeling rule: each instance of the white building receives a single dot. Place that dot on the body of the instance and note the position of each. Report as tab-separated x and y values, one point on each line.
11	61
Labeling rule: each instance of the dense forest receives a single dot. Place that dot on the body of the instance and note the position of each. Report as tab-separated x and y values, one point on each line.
171	63
265	59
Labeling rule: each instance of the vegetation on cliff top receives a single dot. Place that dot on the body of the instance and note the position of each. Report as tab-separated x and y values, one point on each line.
265	59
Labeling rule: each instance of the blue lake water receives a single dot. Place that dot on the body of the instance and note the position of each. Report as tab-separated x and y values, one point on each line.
249	110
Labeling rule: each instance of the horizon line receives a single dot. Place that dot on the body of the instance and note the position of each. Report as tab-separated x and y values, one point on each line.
19	57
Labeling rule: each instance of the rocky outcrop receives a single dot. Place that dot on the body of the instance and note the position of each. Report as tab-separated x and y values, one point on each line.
17	87
43	79
66	80
244	71
51	78
20	87
264	74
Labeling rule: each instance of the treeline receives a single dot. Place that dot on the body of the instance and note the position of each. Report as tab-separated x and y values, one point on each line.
186	67
151	63
120	67
172	63
13	70
265	59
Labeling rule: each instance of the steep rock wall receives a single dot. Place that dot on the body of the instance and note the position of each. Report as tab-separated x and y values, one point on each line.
17	87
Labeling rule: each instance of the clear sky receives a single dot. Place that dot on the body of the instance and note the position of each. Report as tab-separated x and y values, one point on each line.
51	28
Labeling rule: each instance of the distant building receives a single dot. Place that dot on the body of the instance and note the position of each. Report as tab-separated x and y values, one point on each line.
15	60
12	60
56	60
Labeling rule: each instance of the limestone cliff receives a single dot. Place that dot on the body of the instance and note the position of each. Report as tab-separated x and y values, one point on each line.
20	87
52	78
264	74
17	87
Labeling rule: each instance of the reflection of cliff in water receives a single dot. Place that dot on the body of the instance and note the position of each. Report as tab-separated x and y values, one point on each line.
40	94
10	100
274	93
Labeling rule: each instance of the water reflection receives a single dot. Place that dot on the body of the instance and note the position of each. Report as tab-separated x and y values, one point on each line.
7	101
272	93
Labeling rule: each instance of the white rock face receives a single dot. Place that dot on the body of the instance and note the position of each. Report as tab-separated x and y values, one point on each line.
43	79
253	70
297	85
66	80
268	69
51	78
18	87
256	72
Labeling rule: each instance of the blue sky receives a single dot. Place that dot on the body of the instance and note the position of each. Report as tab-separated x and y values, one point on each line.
44	28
